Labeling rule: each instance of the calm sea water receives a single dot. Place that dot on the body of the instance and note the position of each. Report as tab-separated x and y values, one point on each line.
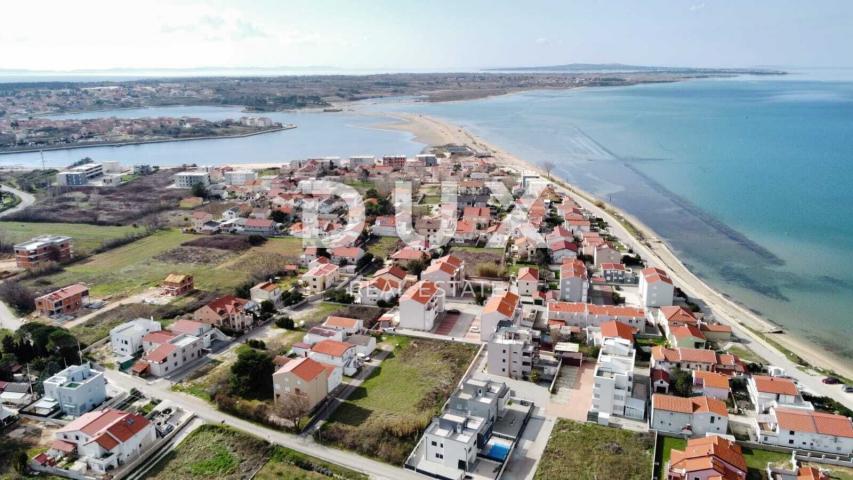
750	180
317	134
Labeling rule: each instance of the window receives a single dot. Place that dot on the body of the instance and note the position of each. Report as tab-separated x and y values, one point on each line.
712	418
434	443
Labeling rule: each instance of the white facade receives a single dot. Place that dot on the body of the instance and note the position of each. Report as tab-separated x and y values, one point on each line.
126	339
510	353
77	389
656	288
240	177
165	358
420	306
108	438
807	430
614	379
189	179
688	415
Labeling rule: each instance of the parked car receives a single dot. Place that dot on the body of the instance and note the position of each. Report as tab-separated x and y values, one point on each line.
831	381
848	388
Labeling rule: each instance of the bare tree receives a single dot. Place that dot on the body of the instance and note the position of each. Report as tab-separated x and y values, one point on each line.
548	165
292	407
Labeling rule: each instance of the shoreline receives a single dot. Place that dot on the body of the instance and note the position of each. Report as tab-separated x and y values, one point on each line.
751	326
145	142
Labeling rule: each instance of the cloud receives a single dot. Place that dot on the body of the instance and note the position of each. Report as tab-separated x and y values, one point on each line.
541	41
697	6
245	29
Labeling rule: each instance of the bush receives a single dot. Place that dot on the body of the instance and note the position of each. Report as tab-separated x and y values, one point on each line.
339	296
285	322
18	296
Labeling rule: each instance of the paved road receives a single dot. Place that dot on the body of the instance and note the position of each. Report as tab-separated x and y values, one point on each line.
161	389
26	200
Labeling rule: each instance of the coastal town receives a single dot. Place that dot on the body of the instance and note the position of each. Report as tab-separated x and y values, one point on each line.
518	328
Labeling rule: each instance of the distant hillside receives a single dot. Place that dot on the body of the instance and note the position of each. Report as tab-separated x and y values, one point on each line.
623	68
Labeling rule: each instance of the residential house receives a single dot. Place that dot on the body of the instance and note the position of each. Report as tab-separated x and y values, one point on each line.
656	288
258	226
76	389
716	332
191	178
103	440
65	301
385	226
605	254
199	219
696	359
337	353
408	255
479	216
448	272
527	281
711	384
587	314
350	326
176	285
126	339
43	249
694	416
364	344
420	305
574	281
346	255
768	392
318	334
510	352
613	382
379	289
562	251
805	430
206	332
707	458
227	312
321	278
266	292
686	336
167	352
500	307
597	334
304	377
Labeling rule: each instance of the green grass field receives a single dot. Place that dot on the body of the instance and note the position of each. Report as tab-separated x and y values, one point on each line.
134	267
384	417
665	447
213	451
585	451
746	355
86	237
383	247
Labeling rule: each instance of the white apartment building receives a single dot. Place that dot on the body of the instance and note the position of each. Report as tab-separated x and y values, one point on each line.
166	353
613	389
420	305
240	177
656	288
191	178
511	352
126	339
77	389
499	309
574	281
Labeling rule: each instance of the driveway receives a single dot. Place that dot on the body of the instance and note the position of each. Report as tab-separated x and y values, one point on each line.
26	200
161	389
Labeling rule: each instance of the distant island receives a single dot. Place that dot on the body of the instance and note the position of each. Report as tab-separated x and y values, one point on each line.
623	68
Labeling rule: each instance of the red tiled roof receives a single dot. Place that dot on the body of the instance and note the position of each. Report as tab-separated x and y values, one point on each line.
529	274
505	304
814	422
421	292
341	322
573	268
653	275
711	379
108	427
776	385
304	368
332	348
617	330
689	405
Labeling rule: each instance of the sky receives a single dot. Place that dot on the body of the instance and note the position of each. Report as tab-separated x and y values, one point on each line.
436	35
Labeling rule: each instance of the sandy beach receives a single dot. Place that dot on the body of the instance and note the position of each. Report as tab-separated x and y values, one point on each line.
432	131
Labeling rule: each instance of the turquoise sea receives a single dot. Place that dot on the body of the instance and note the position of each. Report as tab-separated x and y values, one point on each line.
749	179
